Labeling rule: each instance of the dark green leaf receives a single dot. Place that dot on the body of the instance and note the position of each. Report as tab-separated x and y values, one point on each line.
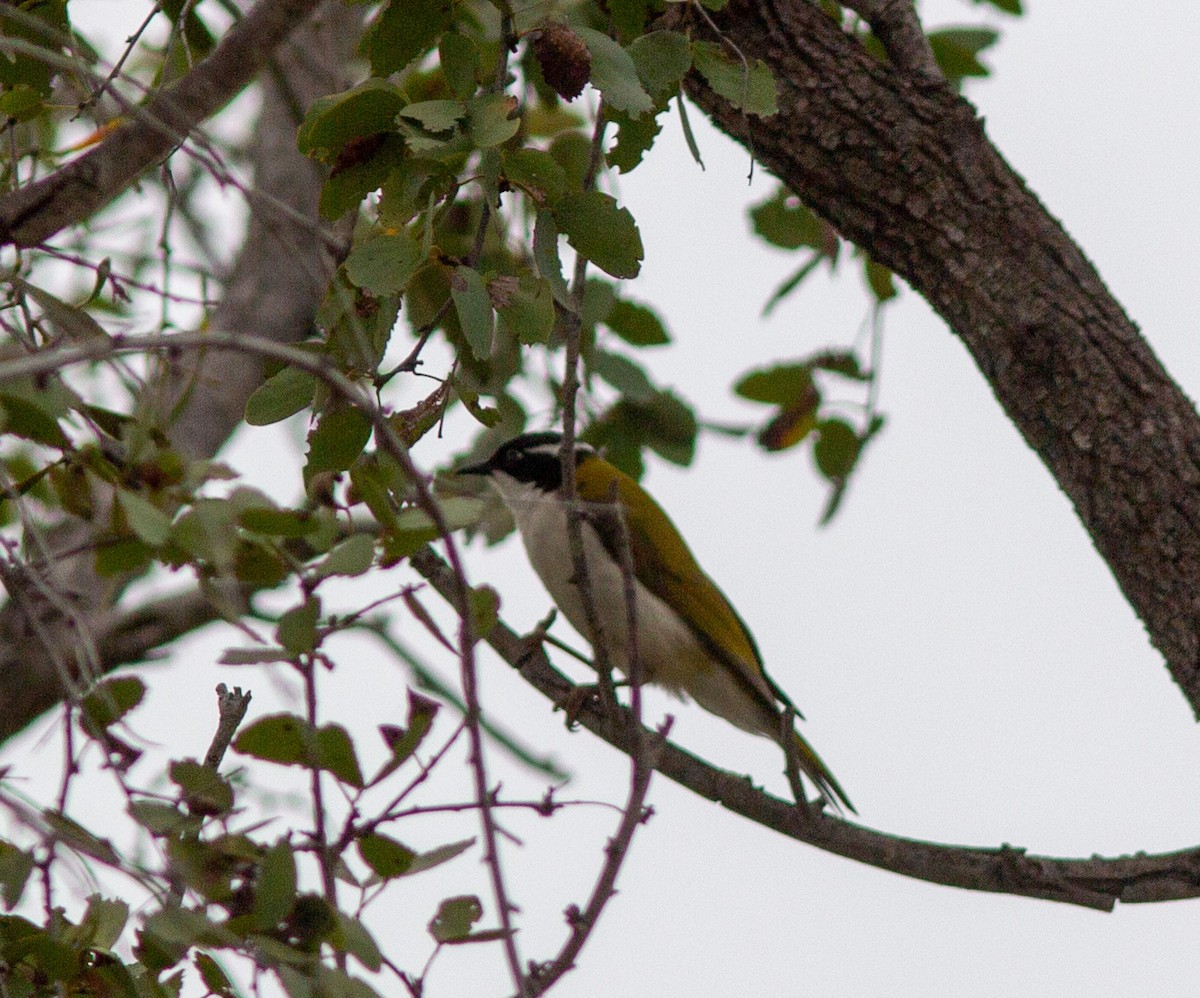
284	394
68	321
336	441
602	231
880	281
336	755
112	699
957	50
385	856
204	791
404	30
662	59
750	88
215	979
454	918
474	310
15	867
837	448
333	121
275	886
24	418
435	115
779	385
74	835
528	311
405	741
384	264
460	63
635	136
784	221
104	921
485	610
535	172
614	74
352	937
297	628
545	255
624	375
274	522
636	324
280	738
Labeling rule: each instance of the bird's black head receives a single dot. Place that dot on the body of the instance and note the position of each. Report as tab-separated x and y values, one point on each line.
532	458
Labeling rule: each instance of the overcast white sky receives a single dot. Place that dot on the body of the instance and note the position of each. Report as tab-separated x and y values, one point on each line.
967	665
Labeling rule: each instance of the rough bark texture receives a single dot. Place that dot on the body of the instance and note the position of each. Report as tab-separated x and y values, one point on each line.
901	165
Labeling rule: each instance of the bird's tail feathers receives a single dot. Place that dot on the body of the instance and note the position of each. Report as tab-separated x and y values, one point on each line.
812	766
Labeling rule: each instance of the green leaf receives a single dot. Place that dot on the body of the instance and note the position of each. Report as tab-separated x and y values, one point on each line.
635	137
957	50
436	857
273	522
778	385
215	978
333	121
74	835
297	628
158	817
535	172
460	63
624	375
104	921
351	557
750	88
118	556
68	321
15	867
492	120
880	281
353	938
275	886
837	448
23	418
150	523
336	441
279	738
474	310
454	918
528	311
386	857
636	324
405	741
601	231
614	74
284	394
384	264
435	115
336	755
112	699
662	59
404	30
784	220
203	789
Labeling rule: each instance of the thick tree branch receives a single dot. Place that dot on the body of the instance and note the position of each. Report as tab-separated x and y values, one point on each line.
902	166
897	26
34	213
1092	883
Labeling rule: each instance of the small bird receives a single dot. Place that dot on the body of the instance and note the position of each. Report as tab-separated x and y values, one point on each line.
689	638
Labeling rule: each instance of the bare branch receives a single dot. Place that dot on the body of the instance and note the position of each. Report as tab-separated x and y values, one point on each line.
1091	883
34	213
232	707
897	26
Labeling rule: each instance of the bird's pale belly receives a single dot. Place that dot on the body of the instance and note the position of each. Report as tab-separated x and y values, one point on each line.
668	650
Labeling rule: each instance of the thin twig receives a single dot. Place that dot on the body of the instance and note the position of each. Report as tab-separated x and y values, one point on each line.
232	708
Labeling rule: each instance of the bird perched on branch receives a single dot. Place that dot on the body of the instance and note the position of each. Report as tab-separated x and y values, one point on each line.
688	638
